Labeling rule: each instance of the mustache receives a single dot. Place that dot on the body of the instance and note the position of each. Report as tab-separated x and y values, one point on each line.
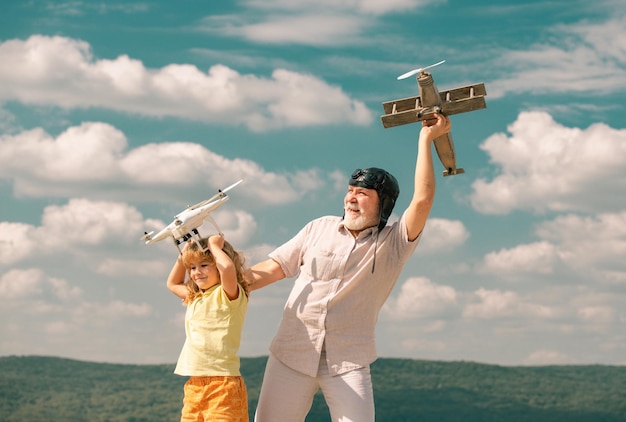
352	208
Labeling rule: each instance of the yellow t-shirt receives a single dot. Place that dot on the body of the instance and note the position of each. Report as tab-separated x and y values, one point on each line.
213	326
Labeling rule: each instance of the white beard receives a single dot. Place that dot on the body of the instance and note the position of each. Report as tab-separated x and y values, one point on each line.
359	222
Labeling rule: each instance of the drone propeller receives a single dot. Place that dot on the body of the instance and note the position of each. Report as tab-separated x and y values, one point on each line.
420	70
217	195
147	236
231	186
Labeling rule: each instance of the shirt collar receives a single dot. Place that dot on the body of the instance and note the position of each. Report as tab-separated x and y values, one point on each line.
210	289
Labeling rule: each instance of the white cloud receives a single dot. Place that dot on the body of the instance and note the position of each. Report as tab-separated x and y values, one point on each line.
320	29
597	242
258	253
110	311
64	290
614	277
20	284
494	304
26	284
15	241
88	222
423	345
238	226
419	297
443	235
93	160
57	328
78	8
62	72
546	166
547	357
608	38
132	267
58	314
82	222
536	257
597	314
324	23
579	56
87	152
79	222
340	6
593	247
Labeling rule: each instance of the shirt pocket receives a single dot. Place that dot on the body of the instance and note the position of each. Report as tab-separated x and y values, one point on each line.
322	265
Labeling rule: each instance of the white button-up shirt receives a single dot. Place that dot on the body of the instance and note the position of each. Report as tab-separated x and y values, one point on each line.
336	298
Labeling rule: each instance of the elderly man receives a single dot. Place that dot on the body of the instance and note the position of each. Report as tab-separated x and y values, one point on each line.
346	268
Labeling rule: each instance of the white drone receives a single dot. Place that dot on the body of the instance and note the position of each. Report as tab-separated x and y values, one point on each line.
185	224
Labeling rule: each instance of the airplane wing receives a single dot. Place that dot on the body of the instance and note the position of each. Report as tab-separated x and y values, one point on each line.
454	101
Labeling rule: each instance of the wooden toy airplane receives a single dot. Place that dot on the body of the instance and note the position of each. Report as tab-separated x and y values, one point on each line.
431	101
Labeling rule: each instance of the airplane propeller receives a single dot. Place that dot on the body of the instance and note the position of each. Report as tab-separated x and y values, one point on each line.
420	70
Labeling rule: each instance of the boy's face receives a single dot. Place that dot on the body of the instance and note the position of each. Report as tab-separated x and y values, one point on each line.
204	273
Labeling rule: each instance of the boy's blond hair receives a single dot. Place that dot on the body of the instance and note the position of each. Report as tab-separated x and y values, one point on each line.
193	253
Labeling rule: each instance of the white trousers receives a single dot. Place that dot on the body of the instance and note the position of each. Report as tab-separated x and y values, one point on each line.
286	395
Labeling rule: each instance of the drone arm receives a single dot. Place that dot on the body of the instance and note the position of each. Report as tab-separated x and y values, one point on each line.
210	219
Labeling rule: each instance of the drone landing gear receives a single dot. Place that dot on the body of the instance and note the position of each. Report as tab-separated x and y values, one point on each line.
194	236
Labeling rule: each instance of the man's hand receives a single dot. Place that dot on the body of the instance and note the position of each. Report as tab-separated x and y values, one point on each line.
435	127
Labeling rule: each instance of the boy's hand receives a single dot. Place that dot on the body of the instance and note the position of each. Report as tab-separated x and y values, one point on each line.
216	241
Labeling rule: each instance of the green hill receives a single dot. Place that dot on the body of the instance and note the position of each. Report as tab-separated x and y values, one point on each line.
53	389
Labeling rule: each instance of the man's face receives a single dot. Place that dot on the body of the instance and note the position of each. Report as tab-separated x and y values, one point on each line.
361	208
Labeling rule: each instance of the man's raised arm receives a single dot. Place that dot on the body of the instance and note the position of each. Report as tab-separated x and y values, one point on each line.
424	191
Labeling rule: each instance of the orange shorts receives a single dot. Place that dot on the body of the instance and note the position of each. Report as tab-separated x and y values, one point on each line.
217	398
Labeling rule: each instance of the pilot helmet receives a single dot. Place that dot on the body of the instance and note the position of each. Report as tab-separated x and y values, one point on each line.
385	185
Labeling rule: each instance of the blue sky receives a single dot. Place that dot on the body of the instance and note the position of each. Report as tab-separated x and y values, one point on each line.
115	116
